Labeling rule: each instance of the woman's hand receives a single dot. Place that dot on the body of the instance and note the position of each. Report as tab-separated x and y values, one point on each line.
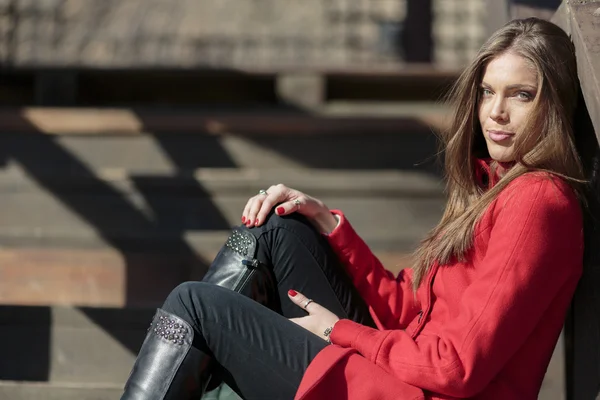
319	320
287	201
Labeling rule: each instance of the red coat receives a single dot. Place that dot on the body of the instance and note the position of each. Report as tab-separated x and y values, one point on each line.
485	328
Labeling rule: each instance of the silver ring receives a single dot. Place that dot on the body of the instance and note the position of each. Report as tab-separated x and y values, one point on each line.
297	202
262	191
308	301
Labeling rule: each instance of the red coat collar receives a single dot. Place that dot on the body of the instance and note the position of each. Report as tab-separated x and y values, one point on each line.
486	173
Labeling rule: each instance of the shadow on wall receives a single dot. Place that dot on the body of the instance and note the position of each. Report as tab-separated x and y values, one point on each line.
546	4
154	251
25	347
156	254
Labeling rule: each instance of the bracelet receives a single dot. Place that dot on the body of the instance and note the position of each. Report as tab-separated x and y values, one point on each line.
327	333
337	223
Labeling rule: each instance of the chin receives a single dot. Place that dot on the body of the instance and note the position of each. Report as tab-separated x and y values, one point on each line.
503	158
501	153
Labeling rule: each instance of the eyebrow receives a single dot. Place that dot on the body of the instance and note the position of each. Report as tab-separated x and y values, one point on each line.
515	86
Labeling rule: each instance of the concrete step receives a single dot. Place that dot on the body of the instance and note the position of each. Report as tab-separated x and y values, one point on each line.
338	136
58	391
103	250
60	344
353	147
390	208
232	181
108	277
330	118
86	352
80	391
116	240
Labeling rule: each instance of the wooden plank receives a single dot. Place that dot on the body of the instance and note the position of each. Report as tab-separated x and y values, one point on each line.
99	277
124	121
96	278
581	19
585	32
267	86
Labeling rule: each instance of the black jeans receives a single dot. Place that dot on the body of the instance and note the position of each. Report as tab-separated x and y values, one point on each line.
258	352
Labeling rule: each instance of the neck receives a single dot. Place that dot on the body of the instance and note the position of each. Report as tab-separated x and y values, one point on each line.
501	168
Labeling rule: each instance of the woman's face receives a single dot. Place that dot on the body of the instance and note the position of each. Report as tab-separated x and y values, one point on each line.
507	91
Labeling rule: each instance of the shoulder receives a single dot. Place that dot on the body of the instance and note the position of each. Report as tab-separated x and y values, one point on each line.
541	189
541	199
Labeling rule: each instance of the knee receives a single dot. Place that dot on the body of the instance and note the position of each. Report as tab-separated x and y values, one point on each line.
186	289
187	293
291	221
277	229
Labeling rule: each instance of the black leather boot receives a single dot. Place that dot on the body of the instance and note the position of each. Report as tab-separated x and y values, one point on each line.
168	367
235	267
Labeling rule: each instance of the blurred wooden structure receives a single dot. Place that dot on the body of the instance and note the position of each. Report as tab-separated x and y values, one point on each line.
94	198
300	51
581	19
179	111
501	11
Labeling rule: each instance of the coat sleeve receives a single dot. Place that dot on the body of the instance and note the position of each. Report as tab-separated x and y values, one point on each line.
390	297
535	250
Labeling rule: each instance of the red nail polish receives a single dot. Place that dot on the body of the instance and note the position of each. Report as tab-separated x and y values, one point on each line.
256	221
292	292
280	210
243	220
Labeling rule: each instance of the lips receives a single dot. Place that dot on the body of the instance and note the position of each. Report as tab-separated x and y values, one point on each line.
498	136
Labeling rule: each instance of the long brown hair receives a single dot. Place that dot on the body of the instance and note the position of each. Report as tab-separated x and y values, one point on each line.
546	143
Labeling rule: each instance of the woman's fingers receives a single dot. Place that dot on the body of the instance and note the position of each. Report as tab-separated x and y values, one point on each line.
289	206
258	207
283	200
251	209
253	218
319	320
276	194
302	301
247	210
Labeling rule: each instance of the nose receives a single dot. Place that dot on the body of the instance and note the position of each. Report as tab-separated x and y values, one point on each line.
499	111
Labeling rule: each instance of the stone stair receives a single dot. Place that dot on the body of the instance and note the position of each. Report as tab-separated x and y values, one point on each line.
106	210
94	201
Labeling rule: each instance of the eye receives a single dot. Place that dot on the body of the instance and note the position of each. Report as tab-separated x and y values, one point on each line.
485	92
524	96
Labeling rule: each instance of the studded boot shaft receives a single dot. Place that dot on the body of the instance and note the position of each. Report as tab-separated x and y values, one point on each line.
235	267
168	367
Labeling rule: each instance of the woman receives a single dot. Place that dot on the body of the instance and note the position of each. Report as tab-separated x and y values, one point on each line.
477	316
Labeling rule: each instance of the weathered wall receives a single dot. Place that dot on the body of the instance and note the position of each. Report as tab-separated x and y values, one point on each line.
225	33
